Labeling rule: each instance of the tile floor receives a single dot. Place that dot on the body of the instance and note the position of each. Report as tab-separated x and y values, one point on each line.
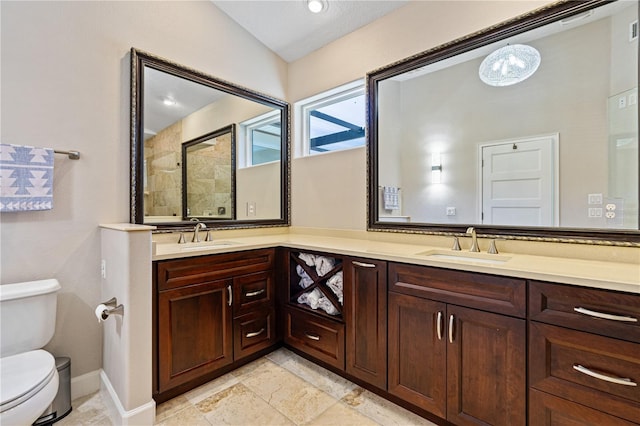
278	389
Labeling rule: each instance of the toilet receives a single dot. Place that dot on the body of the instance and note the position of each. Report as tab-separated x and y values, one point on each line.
28	374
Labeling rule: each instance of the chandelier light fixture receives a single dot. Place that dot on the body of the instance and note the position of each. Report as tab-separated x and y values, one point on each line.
509	65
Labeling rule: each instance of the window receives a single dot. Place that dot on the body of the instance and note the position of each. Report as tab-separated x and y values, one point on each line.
334	120
262	139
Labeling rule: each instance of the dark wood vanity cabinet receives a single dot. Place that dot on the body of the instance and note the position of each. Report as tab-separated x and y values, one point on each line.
209	313
457	344
584	356
351	338
365	282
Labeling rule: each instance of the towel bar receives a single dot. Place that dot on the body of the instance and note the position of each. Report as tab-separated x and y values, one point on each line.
73	155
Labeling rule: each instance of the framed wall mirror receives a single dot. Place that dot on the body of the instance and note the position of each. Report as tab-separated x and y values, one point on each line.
205	149
527	130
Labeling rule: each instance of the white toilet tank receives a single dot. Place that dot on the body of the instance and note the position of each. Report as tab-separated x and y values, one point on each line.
27	315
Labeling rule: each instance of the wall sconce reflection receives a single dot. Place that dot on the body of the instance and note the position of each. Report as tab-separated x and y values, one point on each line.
436	168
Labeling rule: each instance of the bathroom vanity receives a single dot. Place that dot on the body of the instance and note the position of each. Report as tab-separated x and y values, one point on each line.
211	314
469	342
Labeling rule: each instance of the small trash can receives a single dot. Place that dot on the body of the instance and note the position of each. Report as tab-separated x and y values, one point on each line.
61	405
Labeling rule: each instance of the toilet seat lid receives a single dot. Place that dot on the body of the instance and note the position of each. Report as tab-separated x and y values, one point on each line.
23	375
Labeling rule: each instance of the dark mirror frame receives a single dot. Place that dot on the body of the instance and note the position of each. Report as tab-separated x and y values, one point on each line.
230	129
520	24
140	60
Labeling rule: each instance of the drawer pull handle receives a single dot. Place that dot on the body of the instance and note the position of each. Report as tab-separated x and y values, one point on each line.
312	336
617	380
604	316
255	333
439	325
230	295
363	265
254	293
451	319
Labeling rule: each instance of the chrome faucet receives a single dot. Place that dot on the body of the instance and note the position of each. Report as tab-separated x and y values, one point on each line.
198	227
474	239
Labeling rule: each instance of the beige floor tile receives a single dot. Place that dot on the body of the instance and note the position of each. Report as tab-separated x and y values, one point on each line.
87	410
282	355
382	411
319	377
248	368
237	405
171	407
289	394
341	415
216	385
189	416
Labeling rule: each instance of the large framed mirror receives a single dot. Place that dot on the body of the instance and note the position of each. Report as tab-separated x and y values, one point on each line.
205	149
526	130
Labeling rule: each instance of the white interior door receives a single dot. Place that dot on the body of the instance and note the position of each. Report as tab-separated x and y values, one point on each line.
519	182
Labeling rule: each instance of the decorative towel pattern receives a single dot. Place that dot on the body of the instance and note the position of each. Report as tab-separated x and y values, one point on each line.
26	178
391	197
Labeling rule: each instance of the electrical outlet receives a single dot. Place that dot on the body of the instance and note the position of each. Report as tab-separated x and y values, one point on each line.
103	269
251	208
610	207
622	102
451	211
610	215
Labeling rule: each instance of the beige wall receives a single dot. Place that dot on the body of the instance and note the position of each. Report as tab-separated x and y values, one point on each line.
65	84
330	190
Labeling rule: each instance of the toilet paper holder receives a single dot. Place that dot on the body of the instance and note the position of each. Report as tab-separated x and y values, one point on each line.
112	308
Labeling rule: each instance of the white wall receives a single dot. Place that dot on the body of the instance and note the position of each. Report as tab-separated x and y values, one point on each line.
65	84
330	190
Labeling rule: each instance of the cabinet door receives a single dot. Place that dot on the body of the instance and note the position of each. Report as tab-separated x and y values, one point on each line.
365	304
417	345
195	332
486	365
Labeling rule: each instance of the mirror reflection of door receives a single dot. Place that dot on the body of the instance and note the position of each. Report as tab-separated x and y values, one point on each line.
209	175
519	181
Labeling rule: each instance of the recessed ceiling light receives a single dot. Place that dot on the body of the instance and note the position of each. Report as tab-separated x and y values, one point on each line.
169	101
316	6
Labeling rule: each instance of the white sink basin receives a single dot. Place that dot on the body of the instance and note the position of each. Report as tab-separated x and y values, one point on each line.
461	256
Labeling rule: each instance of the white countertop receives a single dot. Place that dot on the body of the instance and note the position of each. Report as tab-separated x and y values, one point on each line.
609	275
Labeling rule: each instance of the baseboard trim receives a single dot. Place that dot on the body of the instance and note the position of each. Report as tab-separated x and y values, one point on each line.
85	384
142	415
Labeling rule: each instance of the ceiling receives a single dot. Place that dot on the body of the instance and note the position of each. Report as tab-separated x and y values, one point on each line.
288	28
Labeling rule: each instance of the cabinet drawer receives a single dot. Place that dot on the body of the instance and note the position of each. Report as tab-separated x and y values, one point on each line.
488	292
592	370
560	304
253	332
549	410
316	336
182	272
252	291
